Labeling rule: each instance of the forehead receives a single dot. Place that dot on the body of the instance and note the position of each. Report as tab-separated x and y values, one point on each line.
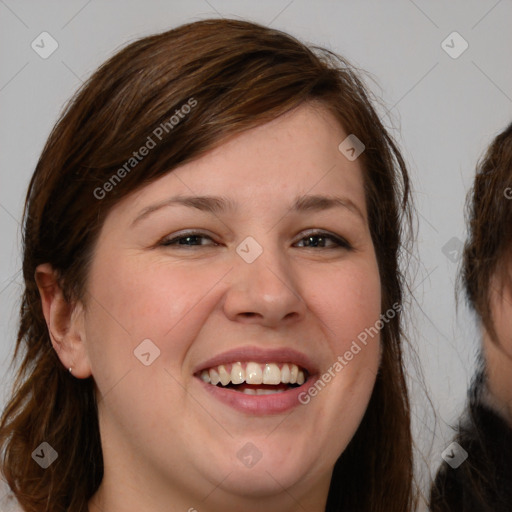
268	166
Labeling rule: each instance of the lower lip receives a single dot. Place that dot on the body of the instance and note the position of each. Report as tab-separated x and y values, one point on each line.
260	404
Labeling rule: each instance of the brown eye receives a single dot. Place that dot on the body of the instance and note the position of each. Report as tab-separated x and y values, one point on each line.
320	239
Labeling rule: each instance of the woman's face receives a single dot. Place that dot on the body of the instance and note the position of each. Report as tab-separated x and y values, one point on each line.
499	355
255	274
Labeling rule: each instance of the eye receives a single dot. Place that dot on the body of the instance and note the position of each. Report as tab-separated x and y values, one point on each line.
320	238
317	239
189	239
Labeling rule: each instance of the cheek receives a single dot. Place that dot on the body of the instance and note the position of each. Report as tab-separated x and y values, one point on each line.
349	313
130	303
500	302
348	307
502	315
348	303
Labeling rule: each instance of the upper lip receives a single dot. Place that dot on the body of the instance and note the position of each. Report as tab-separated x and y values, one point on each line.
259	355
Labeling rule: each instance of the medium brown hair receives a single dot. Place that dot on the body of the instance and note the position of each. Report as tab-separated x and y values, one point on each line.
489	219
242	75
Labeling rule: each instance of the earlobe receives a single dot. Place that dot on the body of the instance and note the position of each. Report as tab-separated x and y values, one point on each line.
64	321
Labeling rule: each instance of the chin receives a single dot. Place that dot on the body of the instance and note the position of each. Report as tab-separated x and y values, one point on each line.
251	473
259	482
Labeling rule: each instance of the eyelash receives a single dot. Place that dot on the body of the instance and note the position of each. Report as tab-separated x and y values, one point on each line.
340	242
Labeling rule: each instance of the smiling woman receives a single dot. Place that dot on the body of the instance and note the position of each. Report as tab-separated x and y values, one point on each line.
170	326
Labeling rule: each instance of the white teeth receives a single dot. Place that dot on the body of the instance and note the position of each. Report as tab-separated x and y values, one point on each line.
214	377
294	371
237	373
225	378
285	374
267	391
271	374
253	374
249	391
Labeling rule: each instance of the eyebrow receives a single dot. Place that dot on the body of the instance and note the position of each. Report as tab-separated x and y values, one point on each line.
220	204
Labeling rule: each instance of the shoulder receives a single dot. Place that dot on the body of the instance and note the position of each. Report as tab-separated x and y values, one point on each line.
482	481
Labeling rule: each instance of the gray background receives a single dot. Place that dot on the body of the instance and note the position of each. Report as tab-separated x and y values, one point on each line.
443	111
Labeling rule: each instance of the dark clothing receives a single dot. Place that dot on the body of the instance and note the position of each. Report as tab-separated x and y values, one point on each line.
483	482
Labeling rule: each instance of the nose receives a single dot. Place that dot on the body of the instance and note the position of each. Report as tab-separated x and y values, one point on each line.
263	292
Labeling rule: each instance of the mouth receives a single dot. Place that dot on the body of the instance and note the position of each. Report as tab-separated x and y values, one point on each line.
257	381
253	378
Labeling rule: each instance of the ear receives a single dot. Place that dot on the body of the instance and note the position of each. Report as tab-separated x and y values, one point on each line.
65	322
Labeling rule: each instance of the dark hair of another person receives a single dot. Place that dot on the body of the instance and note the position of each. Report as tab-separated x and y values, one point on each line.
483	482
489	219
